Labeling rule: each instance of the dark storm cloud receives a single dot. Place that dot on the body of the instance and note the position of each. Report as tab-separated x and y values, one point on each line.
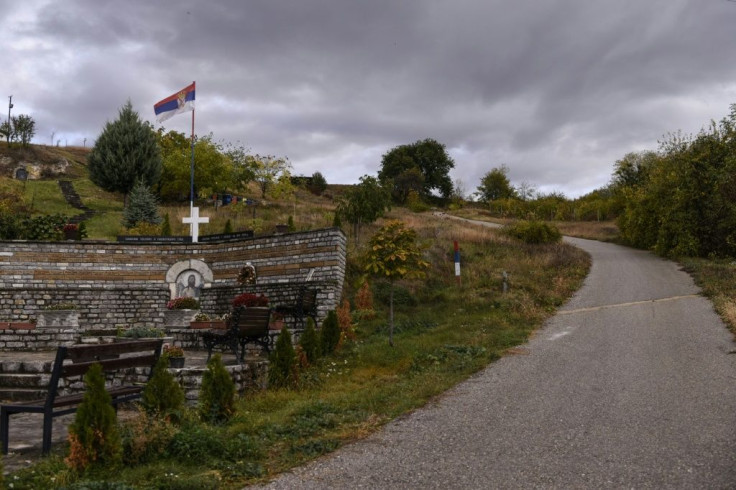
555	90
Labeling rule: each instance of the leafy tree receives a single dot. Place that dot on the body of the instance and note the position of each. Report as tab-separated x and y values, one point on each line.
267	170
143	207
282	367
318	184
24	127
428	157
496	185
93	436
6	130
214	170
162	394
364	203
125	152
217	393
393	254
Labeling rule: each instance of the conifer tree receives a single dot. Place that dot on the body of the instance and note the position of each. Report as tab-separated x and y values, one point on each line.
330	333
310	342
162	394
142	207
217	394
126	151
94	436
282	368
228	227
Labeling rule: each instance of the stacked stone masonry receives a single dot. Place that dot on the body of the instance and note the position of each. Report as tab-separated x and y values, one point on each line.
124	285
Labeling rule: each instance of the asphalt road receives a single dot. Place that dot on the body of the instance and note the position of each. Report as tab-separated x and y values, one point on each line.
630	385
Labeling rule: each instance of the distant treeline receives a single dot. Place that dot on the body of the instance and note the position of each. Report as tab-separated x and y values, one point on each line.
678	201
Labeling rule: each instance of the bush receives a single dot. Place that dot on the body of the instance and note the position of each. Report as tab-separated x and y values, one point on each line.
146	438
318	184
282	368
345	321
217	394
228	227
309	342
142	207
402	296
162	395
330	333
533	232
94	437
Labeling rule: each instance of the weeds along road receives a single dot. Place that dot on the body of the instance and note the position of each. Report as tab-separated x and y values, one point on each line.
630	385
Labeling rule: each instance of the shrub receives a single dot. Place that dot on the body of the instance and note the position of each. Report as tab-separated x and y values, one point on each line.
183	303
533	232
318	184
94	437
345	321
162	394
282	368
364	297
228	227
402	296
217	394
142	206
290	223
330	333
250	300
309	342
145	438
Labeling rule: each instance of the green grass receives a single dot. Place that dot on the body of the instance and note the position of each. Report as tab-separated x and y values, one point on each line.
451	332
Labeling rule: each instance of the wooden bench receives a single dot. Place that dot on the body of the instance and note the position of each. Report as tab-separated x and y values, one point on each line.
305	306
71	364
246	325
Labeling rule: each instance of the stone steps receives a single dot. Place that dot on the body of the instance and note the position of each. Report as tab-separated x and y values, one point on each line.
21	394
24	380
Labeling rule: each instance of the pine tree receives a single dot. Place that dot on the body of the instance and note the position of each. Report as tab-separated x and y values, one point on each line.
217	394
162	394
282	368
330	333
94	436
310	342
142	207
126	151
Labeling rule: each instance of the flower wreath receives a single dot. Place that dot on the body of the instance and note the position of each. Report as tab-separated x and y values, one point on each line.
247	274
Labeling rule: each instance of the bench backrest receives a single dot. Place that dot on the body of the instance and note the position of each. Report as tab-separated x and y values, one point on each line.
75	360
251	322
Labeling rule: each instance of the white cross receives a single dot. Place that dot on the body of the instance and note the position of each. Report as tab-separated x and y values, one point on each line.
194	220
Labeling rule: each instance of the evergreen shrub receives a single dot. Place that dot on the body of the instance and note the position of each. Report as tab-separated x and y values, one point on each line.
309	342
162	395
330	333
282	368
93	436
217	394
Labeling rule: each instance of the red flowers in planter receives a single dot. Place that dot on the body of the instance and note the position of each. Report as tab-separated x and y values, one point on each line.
250	300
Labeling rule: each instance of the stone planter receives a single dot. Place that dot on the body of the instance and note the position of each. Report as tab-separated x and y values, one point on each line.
58	318
179	318
209	324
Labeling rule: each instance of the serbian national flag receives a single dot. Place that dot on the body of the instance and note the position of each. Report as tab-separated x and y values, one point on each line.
182	101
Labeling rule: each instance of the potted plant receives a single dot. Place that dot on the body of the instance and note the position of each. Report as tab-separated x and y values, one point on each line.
175	355
58	315
250	300
204	321
71	231
180	311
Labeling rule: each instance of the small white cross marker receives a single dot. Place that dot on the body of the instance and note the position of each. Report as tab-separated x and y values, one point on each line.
194	220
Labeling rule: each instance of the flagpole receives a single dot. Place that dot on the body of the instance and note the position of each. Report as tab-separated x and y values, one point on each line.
191	168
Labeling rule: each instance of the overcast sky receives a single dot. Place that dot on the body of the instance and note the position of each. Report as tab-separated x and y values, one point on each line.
556	90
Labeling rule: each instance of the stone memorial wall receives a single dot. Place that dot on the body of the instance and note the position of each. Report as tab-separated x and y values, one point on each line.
129	284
